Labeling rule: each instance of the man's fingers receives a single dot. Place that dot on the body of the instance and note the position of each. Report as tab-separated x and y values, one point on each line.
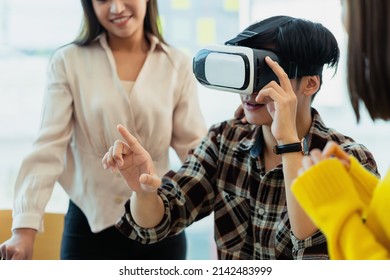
111	162
133	143
279	72
267	94
104	161
120	148
149	182
109	158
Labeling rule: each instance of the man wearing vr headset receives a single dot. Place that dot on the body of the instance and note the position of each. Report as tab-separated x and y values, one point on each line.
242	172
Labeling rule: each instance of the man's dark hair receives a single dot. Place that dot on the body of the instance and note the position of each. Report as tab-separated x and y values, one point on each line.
307	44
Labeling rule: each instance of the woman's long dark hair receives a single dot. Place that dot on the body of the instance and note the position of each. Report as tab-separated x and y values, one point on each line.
91	28
368	57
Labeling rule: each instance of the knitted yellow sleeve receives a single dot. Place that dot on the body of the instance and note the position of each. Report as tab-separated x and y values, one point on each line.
328	194
355	241
363	180
378	218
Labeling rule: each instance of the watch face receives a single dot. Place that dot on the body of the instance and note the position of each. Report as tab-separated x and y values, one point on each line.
305	146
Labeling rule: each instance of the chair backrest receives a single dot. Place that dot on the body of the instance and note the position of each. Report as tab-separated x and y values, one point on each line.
47	244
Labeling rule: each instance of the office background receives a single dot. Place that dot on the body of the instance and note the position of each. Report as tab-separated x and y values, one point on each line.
31	30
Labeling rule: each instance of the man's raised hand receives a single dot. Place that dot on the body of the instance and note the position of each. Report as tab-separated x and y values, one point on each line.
133	162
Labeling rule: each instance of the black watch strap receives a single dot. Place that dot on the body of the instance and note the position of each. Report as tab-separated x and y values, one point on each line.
291	148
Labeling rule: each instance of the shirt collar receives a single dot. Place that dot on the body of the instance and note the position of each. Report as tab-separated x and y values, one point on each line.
255	145
155	43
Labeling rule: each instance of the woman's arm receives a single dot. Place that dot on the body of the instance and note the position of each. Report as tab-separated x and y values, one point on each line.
327	193
188	123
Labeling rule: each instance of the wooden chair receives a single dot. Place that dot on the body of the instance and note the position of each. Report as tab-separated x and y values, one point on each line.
47	244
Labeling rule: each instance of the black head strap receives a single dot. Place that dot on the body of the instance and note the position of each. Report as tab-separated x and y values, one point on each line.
264	27
259	28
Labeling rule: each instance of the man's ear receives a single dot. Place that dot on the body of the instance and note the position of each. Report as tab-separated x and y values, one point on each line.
310	84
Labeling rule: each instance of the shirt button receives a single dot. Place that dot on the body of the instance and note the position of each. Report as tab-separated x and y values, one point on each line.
261	211
118	200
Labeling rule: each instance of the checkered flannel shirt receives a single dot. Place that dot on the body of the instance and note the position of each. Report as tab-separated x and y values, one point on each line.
226	175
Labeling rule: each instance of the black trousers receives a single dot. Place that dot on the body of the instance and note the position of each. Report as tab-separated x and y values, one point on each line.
79	243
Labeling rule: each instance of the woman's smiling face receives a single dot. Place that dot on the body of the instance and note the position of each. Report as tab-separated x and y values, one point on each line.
121	18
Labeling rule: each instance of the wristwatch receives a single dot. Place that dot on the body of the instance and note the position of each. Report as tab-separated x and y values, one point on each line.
292	148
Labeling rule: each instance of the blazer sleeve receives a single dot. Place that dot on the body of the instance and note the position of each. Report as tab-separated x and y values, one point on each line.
42	167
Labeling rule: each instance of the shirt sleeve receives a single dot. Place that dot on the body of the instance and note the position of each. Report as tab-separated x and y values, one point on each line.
312	248
189	126
42	167
188	196
128	227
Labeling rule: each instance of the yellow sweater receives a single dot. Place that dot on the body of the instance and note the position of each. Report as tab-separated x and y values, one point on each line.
350	207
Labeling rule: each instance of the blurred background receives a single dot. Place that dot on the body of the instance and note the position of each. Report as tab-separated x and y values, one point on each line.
31	30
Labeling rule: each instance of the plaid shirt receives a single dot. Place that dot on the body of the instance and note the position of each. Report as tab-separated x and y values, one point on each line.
226	175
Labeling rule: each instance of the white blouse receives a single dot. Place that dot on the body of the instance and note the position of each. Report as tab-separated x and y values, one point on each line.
84	101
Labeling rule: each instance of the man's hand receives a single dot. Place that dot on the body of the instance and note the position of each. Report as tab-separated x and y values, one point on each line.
133	162
136	167
282	106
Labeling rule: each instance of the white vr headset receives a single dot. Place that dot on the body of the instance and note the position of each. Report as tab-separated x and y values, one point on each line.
236	68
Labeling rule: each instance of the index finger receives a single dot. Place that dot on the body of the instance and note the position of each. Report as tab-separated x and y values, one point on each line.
130	139
279	72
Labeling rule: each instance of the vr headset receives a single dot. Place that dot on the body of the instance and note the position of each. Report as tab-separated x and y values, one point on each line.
235	68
